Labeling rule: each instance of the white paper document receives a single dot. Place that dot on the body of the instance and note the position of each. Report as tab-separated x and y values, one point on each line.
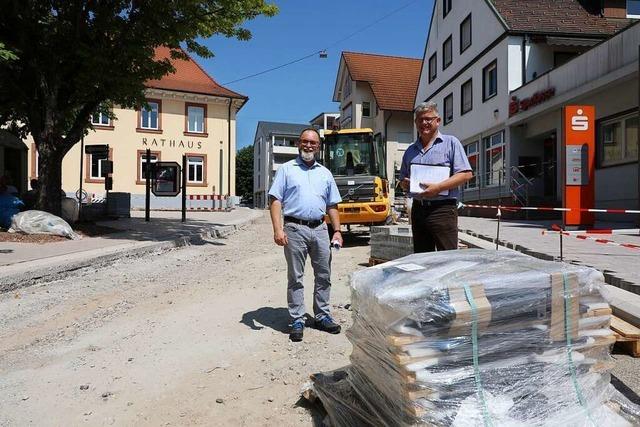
427	174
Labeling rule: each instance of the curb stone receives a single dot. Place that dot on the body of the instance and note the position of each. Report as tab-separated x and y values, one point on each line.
609	276
31	277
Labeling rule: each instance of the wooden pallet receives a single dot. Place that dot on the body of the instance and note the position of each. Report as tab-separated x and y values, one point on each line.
375	261
627	336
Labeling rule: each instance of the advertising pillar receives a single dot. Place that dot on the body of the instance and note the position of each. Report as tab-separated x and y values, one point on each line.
579	164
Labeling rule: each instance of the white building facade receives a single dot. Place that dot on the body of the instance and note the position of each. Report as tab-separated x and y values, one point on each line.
376	92
478	53
274	144
607	78
324	121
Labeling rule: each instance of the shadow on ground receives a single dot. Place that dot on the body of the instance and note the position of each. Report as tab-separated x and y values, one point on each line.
625	390
316	410
159	229
269	317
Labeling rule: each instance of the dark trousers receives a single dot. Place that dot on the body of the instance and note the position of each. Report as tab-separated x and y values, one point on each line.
434	227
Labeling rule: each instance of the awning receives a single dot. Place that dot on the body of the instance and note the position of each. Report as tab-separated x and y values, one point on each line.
570	41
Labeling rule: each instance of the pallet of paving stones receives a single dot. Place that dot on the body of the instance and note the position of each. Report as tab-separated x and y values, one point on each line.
477	338
627	336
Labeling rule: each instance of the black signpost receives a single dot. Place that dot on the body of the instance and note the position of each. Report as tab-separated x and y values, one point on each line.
147	181
184	188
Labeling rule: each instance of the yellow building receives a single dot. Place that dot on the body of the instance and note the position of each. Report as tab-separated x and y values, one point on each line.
188	113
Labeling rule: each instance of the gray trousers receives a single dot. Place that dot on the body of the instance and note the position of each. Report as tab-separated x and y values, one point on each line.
314	242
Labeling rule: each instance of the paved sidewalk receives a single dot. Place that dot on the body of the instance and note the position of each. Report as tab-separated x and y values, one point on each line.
619	264
29	262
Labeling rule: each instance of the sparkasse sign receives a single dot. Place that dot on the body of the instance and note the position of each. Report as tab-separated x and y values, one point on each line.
516	105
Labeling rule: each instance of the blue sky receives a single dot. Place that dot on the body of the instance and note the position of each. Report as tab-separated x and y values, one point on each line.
299	92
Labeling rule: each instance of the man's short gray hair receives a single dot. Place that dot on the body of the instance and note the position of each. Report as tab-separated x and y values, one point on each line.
426	106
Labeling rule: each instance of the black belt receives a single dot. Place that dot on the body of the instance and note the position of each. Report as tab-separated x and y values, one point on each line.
313	223
435	203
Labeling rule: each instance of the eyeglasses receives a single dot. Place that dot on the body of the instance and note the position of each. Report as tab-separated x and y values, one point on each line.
427	119
309	142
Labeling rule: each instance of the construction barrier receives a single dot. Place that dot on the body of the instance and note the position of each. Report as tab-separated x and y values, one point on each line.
604	231
583	235
532	208
208	203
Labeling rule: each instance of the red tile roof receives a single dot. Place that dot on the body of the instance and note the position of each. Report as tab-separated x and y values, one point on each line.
189	77
393	79
557	16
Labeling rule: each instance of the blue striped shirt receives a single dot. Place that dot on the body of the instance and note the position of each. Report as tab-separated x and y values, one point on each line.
305	191
446	150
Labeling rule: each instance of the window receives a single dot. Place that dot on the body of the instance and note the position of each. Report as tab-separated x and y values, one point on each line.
35	160
473	155
100	119
142	163
490	81
195	115
97	160
494	159
447	53
195	169
466	97
619	140
465	34
633	8
433	67
405	137
150	116
346	87
345	117
366	109
560	58
448	109
446	8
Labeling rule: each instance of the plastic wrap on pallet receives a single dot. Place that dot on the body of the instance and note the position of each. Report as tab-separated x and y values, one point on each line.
477	338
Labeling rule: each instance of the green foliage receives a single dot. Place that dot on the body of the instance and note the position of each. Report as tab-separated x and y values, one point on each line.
6	54
67	57
244	173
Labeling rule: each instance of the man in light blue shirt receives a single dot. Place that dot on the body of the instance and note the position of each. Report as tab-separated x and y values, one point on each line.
305	192
434	214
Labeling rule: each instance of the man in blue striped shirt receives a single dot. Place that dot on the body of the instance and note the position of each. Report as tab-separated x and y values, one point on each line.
434	214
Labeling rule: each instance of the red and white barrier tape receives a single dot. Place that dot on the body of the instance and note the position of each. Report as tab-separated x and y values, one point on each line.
595	239
605	231
530	208
205	197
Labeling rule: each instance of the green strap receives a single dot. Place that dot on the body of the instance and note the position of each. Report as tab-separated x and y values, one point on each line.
567	332
476	364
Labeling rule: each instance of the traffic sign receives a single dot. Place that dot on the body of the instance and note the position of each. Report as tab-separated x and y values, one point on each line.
165	179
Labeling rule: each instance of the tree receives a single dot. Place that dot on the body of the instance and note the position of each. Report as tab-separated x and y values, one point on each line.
244	173
71	58
5	54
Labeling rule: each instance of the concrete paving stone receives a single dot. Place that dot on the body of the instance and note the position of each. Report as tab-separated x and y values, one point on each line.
618	264
24	264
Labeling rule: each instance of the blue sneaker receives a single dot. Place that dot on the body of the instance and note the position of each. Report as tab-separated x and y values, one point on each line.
297	330
327	324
